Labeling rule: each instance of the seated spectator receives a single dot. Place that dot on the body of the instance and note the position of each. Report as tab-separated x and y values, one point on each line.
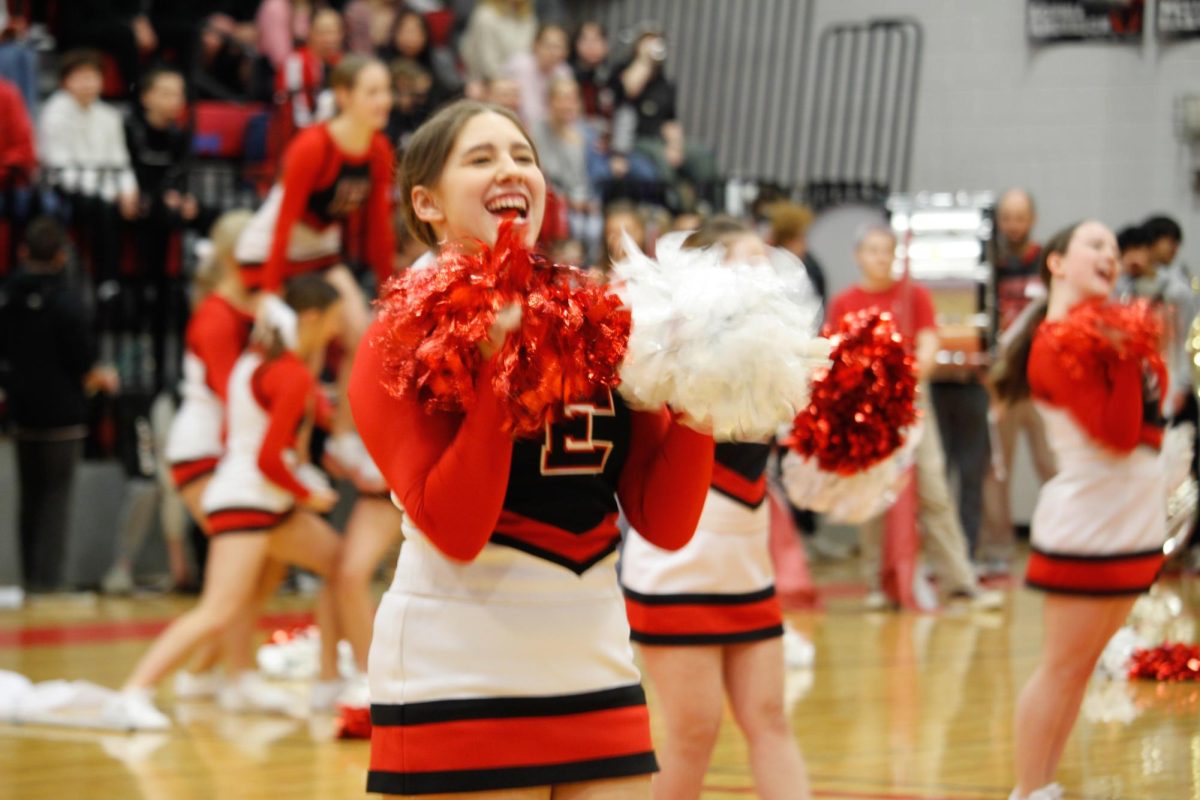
368	24
119	28
161	155
409	38
645	121
503	92
18	157
223	66
303	80
280	25
589	61
496	31
533	71
562	150
789	229
411	106
18	57
82	138
621	218
568	251
686	222
48	349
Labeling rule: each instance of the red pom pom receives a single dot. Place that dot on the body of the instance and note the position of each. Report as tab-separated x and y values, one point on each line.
1094	334
570	342
860	405
353	723
1167	662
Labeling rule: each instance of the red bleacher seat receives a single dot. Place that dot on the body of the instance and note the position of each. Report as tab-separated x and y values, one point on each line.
441	25
221	127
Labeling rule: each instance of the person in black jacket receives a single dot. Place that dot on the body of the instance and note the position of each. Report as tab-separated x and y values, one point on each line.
47	346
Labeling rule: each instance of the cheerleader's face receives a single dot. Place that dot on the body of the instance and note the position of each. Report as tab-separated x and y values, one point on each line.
492	173
1090	265
370	99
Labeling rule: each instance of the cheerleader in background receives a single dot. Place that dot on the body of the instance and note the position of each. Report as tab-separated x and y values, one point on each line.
331	171
1098	528
501	656
706	616
259	506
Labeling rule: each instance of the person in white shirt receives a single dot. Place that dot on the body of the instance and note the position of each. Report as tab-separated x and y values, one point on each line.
536	69
82	139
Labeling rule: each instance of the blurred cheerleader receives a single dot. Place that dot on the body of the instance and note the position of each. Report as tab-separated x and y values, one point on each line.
706	616
1095	376
259	506
501	661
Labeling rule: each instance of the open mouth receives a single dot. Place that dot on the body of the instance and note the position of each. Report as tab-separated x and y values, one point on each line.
509	205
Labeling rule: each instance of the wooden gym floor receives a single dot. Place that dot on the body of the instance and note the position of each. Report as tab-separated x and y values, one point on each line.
898	707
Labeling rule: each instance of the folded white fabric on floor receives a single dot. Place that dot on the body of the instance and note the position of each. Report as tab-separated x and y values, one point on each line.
76	704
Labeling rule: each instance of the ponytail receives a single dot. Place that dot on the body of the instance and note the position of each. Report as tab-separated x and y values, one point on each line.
1009	376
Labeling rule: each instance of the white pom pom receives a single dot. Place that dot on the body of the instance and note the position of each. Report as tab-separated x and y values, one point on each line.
849	498
726	344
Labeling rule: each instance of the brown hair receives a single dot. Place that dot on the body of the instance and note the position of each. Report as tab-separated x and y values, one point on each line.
429	149
788	221
303	293
1009	376
714	231
78	59
345	74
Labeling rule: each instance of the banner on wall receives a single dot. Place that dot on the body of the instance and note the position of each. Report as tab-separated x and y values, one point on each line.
1085	20
1178	17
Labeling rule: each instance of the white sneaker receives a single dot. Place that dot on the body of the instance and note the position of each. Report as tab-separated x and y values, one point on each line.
118	581
196	685
133	710
877	601
249	693
798	652
1051	791
324	695
987	600
355	693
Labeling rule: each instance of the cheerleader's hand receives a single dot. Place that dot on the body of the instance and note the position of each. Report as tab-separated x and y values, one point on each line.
321	501
507	319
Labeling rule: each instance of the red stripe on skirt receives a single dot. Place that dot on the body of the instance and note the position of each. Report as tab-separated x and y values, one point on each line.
184	472
699	618
244	519
737	485
515	742
252	274
1134	573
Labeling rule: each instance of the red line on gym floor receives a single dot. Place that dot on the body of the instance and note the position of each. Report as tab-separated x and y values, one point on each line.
125	630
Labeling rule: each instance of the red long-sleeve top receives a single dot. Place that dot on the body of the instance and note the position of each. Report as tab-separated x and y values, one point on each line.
462	479
18	158
1116	402
322	186
286	390
217	334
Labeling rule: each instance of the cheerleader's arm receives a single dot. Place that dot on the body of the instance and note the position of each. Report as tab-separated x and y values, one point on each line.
219	347
449	471
284	386
665	480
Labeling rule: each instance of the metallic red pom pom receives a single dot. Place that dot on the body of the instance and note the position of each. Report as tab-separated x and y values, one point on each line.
860	404
571	339
1096	333
1167	662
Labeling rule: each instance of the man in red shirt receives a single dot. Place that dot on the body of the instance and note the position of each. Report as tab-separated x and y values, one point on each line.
912	309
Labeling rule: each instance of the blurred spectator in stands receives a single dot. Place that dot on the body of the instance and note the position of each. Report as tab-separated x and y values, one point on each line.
18	58
411	105
49	359
589	61
562	150
789	229
1134	243
223	66
496	31
161	155
504	92
409	38
82	139
368	24
305	74
18	157
569	251
645	121
533	71
621	217
281	24
1176	289
686	221
1015	257
118	28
